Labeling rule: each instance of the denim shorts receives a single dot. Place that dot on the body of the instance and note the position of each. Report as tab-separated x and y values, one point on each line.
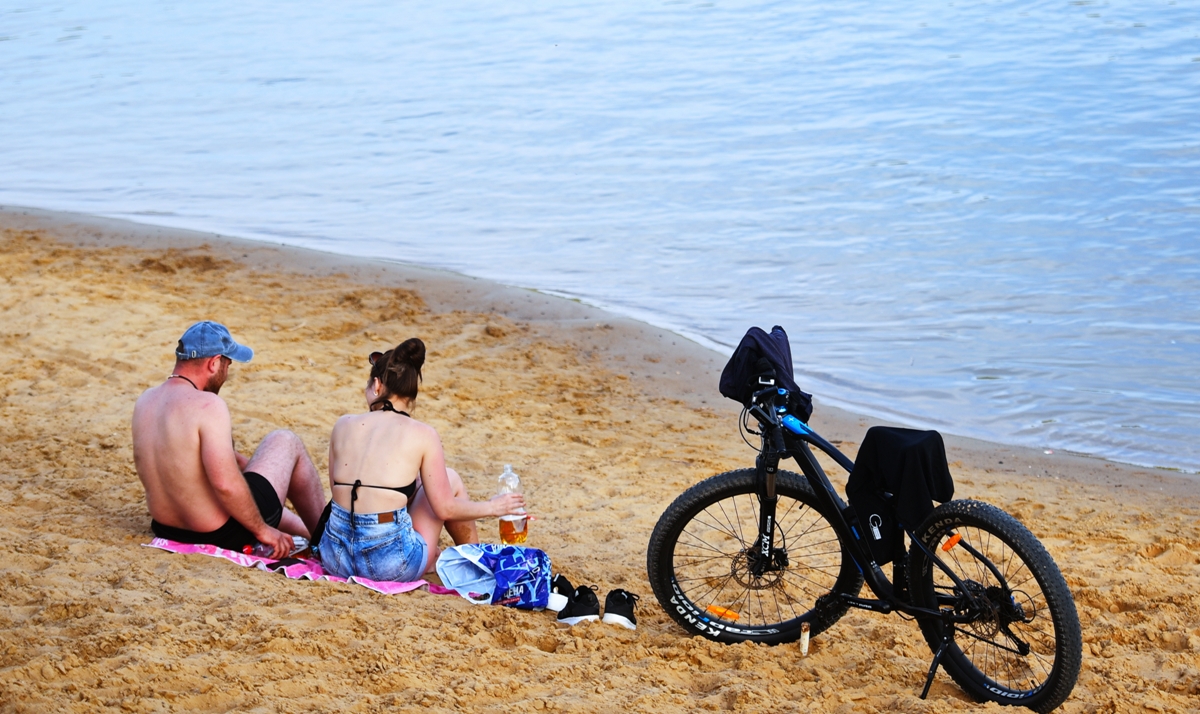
370	549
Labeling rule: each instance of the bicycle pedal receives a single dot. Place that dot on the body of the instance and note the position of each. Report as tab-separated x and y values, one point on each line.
866	604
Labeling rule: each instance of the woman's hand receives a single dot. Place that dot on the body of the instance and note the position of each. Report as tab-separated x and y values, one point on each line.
508	504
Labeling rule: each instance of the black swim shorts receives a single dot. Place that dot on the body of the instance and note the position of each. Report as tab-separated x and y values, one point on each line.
232	535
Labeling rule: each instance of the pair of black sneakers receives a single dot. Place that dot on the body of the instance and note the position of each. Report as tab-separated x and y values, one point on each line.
582	604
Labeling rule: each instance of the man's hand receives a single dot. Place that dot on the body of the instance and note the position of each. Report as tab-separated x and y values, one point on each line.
508	504
281	543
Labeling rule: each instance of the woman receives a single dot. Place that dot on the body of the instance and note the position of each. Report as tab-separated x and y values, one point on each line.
392	492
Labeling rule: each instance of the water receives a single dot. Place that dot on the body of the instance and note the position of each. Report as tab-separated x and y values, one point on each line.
975	217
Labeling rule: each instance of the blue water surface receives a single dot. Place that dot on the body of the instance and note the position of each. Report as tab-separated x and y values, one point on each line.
980	217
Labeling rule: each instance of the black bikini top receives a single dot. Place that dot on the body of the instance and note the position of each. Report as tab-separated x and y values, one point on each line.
409	491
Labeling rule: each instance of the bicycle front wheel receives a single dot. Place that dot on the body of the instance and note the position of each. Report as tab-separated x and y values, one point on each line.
708	574
1015	636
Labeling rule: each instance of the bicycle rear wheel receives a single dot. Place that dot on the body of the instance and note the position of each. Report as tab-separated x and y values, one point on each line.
1016	638
702	555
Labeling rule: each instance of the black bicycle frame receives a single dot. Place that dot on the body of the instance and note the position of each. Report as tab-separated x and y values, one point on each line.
784	436
780	442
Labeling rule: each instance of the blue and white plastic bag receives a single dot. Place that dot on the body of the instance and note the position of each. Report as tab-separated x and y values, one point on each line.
485	573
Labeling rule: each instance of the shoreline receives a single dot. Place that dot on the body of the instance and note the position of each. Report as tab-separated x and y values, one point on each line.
625	340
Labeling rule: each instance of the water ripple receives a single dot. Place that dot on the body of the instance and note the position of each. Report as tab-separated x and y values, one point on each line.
976	217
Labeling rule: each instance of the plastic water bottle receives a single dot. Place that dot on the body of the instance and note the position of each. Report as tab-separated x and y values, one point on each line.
299	543
513	529
262	550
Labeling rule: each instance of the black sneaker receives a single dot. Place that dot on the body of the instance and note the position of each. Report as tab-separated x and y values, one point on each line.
561	592
562	586
618	609
583	606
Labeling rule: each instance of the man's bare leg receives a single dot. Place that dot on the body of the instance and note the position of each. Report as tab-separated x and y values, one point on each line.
282	459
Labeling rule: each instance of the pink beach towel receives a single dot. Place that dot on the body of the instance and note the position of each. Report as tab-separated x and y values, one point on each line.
306	569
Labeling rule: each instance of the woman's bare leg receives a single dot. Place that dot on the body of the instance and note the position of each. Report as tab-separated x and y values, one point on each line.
291	523
426	522
461	531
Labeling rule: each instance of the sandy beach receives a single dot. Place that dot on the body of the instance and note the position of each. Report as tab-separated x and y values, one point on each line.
606	419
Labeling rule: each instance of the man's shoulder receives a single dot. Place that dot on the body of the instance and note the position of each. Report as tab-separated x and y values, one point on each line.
164	399
207	404
148	393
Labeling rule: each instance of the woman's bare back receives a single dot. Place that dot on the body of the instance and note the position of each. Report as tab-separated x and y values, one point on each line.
379	448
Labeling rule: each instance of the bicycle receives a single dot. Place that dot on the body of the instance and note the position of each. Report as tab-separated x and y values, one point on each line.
772	556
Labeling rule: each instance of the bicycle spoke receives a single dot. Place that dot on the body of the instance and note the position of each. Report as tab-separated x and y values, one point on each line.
720	527
791	603
815	522
976	638
715	566
815	562
992	647
735	524
712	589
703	556
737	512
705	545
803	585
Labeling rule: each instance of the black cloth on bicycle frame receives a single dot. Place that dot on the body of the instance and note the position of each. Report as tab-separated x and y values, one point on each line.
910	465
739	379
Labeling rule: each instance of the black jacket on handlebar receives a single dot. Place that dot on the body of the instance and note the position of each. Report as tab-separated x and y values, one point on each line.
739	379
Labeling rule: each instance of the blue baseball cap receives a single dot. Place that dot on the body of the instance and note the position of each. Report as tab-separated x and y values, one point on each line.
209	339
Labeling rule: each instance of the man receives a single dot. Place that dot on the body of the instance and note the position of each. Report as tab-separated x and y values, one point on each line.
199	489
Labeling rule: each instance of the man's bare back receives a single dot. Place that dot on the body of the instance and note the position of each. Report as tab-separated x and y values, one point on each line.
198	487
176	428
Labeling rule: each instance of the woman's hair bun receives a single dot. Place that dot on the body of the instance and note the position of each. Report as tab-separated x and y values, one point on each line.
399	370
411	352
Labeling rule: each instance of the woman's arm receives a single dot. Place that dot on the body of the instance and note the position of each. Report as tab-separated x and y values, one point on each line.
441	496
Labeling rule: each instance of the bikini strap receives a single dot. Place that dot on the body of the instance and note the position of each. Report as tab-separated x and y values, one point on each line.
353	498
387	407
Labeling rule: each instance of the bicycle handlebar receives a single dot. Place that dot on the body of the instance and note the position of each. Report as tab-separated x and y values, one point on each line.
774	418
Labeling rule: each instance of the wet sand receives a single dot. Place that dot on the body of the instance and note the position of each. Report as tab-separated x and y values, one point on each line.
606	419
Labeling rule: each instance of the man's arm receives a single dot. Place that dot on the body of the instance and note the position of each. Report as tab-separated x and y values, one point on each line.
221	466
241	460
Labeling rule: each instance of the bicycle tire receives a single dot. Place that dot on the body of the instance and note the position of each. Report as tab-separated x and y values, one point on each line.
698	562
984	656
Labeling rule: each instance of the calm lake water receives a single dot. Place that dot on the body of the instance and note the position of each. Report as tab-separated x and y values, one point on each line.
978	217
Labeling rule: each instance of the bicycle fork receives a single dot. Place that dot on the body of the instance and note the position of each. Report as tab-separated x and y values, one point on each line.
764	555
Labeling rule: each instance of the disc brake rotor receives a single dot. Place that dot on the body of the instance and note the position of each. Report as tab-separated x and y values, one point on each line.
742	573
986	620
